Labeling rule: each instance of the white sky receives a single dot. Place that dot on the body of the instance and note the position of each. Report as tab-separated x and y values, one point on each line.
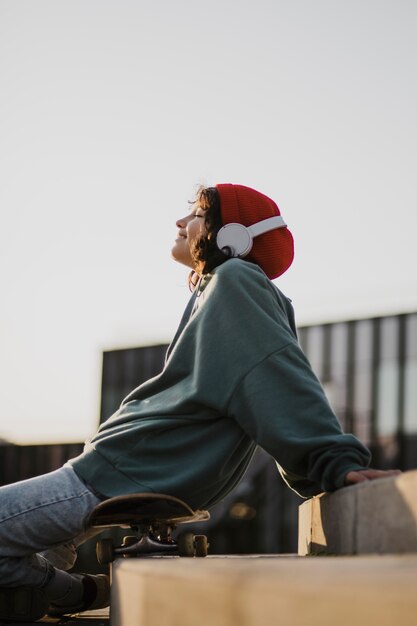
112	111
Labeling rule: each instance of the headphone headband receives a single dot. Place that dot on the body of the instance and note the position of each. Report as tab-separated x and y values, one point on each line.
264	226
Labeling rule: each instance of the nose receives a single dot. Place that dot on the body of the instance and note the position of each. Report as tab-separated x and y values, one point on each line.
181	222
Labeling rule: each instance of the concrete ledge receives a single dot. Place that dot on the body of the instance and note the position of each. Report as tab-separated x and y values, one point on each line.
375	517
244	591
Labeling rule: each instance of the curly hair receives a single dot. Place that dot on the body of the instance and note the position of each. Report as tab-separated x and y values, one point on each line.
204	251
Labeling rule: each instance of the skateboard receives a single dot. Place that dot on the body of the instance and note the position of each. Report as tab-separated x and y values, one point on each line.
153	517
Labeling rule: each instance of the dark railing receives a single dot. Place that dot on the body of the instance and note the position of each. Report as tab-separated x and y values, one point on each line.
21	462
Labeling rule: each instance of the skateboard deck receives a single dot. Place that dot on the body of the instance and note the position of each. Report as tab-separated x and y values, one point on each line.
143	508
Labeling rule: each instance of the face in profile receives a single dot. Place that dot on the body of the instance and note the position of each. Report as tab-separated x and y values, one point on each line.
189	228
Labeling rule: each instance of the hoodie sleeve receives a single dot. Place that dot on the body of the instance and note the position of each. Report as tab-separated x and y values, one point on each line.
281	404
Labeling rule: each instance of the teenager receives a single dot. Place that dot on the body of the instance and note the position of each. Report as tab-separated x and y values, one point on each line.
234	378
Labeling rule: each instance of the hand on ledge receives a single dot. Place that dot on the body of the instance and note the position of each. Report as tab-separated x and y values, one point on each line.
361	476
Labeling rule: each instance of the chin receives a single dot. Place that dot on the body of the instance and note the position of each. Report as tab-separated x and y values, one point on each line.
180	257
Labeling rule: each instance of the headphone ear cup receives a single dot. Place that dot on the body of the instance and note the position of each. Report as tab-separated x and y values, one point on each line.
236	237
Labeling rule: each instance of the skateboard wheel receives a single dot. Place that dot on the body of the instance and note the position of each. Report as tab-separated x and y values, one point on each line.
105	551
201	545
186	544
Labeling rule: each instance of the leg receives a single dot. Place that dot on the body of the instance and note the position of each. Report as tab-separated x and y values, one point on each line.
36	515
45	514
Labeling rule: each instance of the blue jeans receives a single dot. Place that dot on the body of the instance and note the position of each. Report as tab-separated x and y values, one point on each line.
42	521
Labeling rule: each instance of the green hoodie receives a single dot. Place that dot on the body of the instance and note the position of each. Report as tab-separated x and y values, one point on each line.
234	377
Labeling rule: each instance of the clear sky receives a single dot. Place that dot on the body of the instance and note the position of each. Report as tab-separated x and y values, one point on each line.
112	111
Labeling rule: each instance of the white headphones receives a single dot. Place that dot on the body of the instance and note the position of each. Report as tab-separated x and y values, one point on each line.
240	238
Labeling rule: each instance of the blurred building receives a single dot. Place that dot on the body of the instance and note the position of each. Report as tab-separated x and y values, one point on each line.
369	371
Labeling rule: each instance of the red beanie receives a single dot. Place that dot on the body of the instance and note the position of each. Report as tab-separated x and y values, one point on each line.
272	251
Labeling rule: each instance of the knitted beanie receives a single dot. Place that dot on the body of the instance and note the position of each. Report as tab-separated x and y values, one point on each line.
272	251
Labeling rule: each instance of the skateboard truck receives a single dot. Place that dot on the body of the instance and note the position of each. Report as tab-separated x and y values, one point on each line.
153	517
